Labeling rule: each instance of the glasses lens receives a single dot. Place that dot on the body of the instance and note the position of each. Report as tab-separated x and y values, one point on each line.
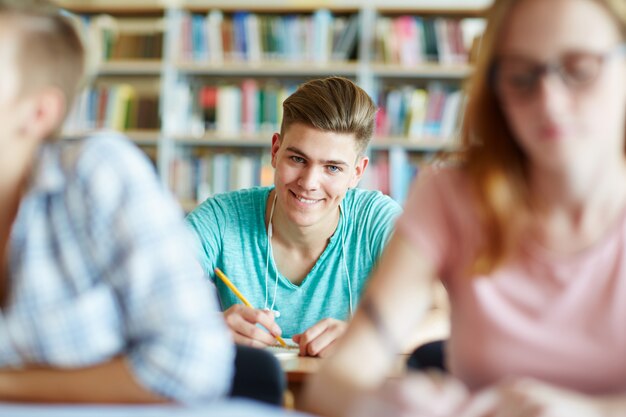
580	69
516	77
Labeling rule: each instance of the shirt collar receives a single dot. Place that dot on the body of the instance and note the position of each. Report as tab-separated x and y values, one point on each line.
48	173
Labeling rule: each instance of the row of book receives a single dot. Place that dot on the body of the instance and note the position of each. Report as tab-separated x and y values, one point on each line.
318	37
243	36
229	109
252	107
112	39
412	40
195	177
118	107
431	112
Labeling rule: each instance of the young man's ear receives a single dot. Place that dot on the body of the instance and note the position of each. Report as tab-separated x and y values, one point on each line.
359	169
46	113
276	139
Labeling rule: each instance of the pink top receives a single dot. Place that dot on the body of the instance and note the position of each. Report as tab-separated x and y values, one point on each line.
560	319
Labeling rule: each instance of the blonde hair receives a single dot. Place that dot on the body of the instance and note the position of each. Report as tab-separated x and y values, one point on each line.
333	104
496	166
50	52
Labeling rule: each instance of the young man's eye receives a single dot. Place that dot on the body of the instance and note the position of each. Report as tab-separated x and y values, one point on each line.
334	168
297	159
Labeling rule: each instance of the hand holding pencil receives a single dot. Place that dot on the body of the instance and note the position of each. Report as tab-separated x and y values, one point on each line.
242	319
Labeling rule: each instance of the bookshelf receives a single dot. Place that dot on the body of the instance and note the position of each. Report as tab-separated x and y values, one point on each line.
203	80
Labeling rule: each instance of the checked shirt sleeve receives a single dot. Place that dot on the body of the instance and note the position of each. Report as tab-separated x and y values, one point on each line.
177	343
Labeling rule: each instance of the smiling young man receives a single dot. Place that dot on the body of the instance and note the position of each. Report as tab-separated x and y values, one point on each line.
301	250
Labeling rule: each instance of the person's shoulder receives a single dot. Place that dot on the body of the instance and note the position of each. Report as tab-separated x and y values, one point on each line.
360	197
242	196
238	198
107	153
442	177
231	203
114	149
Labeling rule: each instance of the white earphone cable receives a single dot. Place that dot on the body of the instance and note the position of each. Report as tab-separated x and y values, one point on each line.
343	258
270	231
270	251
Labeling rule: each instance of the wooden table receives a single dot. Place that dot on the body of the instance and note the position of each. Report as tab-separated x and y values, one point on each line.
435	326
299	368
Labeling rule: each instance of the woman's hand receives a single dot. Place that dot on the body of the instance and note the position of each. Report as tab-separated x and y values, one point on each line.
530	398
416	395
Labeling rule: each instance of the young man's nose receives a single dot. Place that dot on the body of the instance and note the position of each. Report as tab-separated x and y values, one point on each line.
309	178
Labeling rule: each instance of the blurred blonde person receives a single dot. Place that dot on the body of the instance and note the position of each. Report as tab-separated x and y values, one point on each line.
101	298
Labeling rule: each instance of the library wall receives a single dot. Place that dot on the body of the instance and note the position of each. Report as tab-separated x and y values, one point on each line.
199	84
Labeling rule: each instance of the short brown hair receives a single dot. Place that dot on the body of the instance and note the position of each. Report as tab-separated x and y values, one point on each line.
50	52
333	104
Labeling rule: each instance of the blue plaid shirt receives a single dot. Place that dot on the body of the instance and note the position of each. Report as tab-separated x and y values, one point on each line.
100	265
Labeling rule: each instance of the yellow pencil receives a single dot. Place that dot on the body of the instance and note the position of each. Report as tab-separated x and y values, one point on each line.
239	295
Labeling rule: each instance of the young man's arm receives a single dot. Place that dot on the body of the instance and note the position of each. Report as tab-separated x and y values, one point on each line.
206	223
110	382
177	345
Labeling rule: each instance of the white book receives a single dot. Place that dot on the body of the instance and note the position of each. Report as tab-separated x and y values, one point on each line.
220	173
322	42
243	172
450	115
253	38
215	43
228	112
446	55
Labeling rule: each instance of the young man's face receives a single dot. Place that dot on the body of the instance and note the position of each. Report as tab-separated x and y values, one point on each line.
9	85
313	171
15	148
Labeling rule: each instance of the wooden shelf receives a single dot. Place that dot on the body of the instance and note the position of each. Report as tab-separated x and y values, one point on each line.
445	7
428	144
281	6
139	137
424	71
114	7
131	67
431	11
260	140
241	140
268	69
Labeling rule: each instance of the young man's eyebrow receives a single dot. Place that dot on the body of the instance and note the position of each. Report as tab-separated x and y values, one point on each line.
325	161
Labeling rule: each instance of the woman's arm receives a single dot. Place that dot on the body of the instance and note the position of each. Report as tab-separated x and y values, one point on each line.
396	300
526	397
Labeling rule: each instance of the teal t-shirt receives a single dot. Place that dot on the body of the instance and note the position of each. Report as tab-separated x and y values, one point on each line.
232	234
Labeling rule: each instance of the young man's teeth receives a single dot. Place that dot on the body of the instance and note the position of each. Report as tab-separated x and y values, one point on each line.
304	200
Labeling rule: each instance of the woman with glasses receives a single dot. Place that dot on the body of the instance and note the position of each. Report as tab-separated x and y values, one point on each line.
527	232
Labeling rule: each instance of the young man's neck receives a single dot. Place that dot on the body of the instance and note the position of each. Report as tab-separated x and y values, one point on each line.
304	239
13	182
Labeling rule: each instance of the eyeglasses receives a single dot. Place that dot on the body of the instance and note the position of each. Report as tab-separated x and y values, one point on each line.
518	78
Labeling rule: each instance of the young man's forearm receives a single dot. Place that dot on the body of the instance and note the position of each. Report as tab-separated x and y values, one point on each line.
110	382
